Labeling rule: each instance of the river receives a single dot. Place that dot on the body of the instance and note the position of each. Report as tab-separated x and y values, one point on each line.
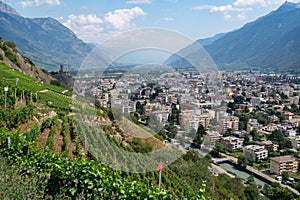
241	174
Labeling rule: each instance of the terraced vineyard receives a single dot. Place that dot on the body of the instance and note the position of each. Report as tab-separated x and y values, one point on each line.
91	158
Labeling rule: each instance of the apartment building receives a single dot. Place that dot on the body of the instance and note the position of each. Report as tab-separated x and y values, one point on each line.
232	143
281	164
255	152
229	123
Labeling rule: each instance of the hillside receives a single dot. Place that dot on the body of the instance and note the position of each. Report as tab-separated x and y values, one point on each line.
44	40
10	56
269	43
50	160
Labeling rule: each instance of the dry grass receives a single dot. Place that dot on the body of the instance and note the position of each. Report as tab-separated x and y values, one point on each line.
134	131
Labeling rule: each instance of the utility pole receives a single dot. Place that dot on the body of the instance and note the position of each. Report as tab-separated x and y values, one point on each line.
17	80
160	168
5	91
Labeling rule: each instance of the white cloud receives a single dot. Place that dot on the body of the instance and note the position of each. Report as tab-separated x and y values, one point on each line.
228	8
168	19
25	4
94	29
227	16
225	8
121	18
250	2
139	2
37	3
262	3
203	7
86	27
47	2
83	19
239	8
241	16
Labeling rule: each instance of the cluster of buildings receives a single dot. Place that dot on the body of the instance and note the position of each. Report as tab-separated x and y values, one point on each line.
271	96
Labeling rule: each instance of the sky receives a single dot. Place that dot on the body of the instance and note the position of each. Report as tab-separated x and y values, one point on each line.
95	21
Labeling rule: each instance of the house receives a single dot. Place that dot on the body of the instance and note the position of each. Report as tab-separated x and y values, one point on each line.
161	115
255	101
252	124
229	123
281	164
232	143
288	115
288	130
255	152
295	142
267	144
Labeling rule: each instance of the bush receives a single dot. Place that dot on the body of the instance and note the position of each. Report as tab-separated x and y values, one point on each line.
55	82
10	44
141	146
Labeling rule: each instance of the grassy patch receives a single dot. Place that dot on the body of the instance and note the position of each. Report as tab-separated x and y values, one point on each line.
54	100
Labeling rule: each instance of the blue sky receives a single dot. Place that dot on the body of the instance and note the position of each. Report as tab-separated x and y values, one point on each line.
97	20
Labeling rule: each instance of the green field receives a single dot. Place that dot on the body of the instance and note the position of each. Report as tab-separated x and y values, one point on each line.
48	94
54	100
25	82
3	66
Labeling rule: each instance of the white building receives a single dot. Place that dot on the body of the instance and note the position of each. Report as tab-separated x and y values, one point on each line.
255	152
232	143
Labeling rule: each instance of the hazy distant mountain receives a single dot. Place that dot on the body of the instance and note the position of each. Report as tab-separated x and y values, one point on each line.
271	41
211	40
7	9
45	40
176	60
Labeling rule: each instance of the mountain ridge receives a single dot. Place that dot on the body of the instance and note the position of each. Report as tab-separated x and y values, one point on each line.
258	42
46	41
7	9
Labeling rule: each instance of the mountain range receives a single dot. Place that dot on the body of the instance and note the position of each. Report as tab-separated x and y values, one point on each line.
270	42
45	41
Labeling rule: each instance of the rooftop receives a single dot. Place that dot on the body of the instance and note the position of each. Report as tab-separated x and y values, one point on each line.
283	158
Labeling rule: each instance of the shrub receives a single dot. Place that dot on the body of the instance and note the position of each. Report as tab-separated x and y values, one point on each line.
55	82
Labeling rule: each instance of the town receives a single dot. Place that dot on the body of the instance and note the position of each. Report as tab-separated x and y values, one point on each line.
255	119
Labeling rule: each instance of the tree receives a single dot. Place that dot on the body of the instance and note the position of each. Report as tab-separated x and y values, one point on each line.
239	99
251	192
250	179
10	44
254	135
139	108
246	139
55	82
279	137
232	105
199	136
276	192
243	161
285	176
